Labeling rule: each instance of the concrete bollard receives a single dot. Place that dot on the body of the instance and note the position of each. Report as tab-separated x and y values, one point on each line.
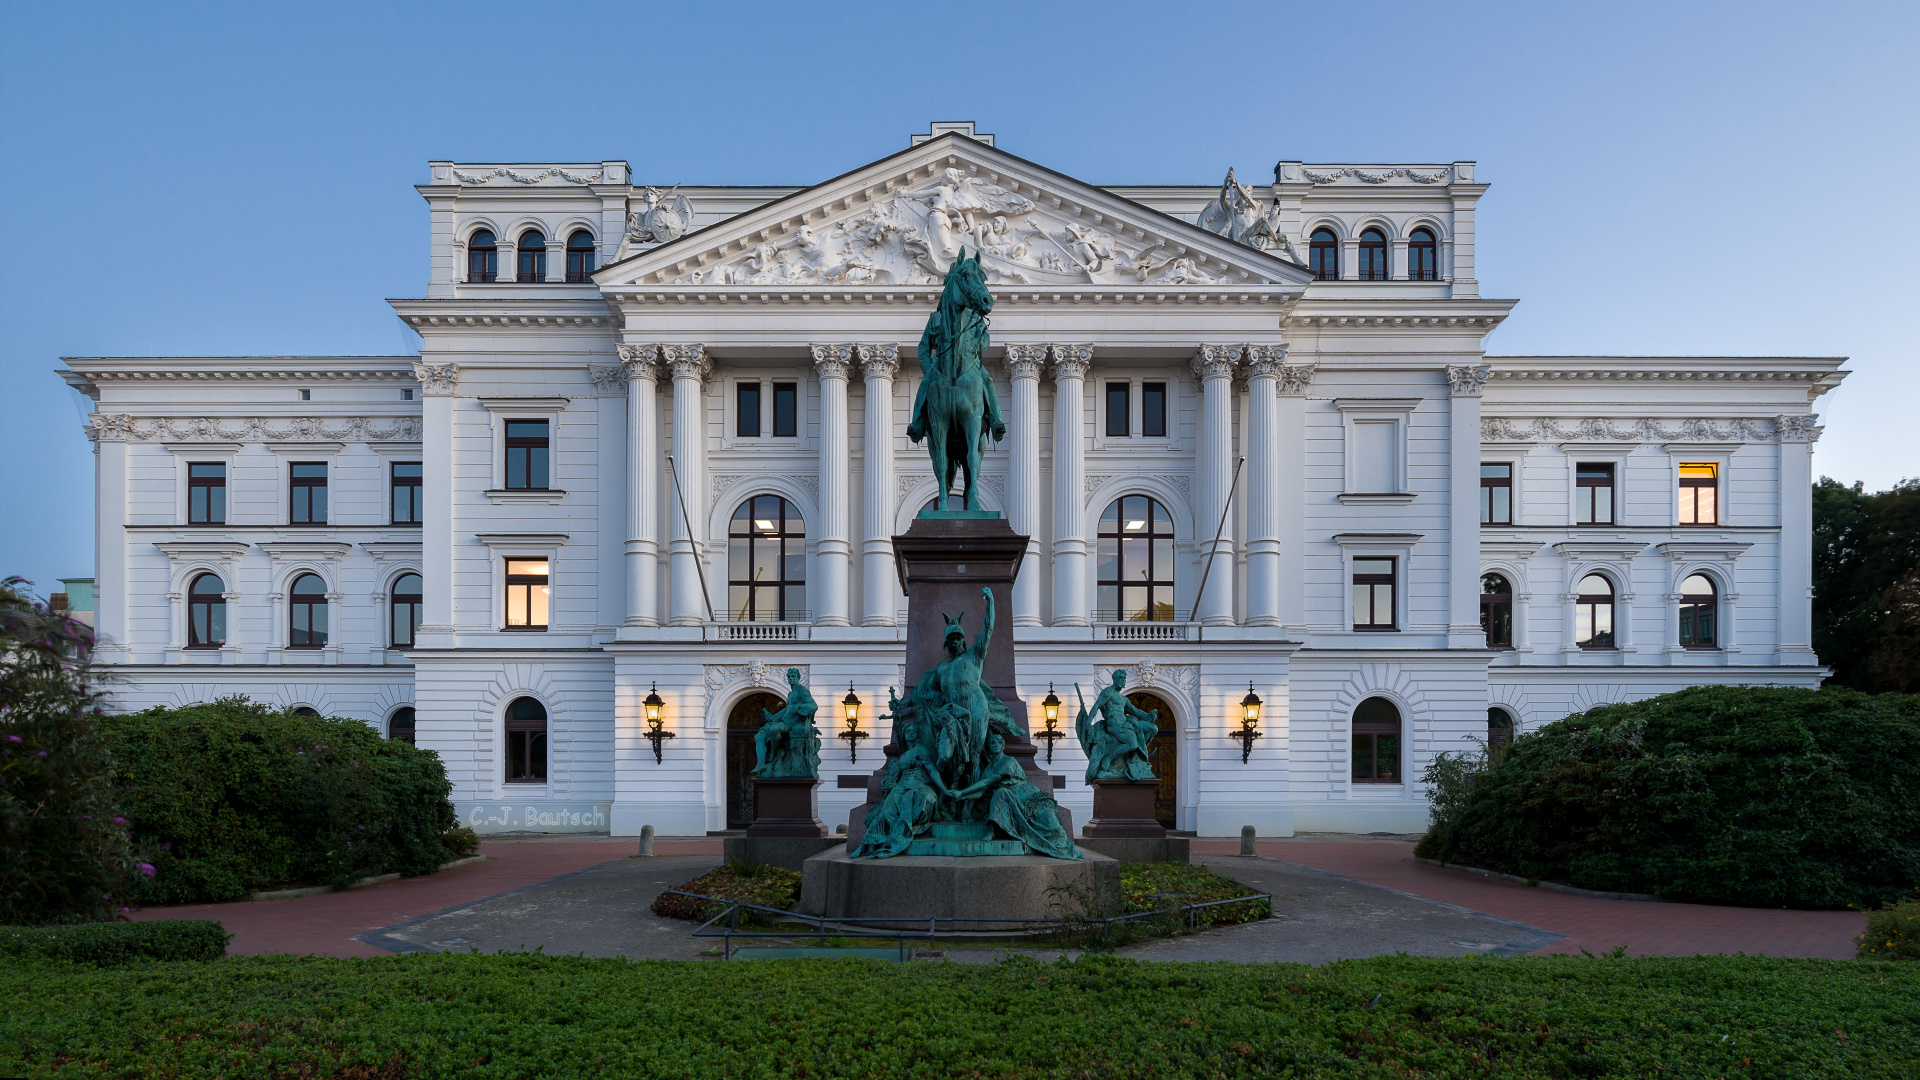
1246	840
839	830
646	841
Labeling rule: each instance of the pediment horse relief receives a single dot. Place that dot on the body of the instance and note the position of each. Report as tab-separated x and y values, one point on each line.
914	235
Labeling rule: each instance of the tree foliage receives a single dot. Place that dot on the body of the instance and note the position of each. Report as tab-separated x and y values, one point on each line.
1866	584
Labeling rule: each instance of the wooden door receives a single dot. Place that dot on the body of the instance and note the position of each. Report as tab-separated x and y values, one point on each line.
1164	754
742	722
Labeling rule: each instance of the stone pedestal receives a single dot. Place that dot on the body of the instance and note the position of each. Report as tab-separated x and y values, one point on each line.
787	806
785	852
1131	849
1123	809
907	890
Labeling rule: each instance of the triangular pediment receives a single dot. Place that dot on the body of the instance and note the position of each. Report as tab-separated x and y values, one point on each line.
902	220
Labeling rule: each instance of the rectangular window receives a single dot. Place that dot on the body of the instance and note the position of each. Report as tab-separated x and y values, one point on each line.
1119	413
206	493
1699	495
1496	494
528	595
1593	493
527	454
1374	449
1373	594
1153	410
309	493
786	410
746	407
406	493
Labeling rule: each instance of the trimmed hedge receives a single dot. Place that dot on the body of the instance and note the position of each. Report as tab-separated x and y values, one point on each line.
524	1015
232	797
1731	795
110	944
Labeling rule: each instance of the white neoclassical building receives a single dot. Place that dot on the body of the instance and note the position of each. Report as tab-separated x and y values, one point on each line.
654	444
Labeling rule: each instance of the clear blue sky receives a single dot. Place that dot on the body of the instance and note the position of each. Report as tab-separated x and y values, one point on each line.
182	179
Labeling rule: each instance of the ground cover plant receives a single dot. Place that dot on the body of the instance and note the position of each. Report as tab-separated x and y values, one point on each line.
1164	886
234	796
743	882
1763	796
444	1015
105	944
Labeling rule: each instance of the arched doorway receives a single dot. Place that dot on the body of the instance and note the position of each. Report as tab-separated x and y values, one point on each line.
1165	757
742	722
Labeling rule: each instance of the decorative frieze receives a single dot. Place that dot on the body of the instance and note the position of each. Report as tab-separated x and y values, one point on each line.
1552	429
119	427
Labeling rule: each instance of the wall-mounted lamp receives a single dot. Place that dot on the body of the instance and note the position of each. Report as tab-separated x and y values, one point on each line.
1249	724
851	706
1050	708
657	732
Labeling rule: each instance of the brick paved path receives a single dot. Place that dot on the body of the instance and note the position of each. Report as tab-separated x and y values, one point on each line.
1595	925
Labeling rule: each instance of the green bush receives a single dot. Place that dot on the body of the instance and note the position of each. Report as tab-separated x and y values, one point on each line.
1893	933
233	796
747	883
64	850
1731	795
108	944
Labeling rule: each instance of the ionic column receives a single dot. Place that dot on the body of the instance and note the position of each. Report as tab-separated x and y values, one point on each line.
1463	521
643	484
1214	367
1023	454
1069	478
834	549
1796	434
436	492
879	588
1290	469
1263	524
690	366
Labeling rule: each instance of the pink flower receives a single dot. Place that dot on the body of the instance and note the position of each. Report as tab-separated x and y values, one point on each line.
43	753
147	869
126	911
13	738
121	821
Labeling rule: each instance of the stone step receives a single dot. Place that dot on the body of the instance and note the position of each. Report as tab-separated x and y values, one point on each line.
966	848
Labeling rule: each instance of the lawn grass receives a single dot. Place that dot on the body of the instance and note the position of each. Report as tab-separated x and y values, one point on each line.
521	1015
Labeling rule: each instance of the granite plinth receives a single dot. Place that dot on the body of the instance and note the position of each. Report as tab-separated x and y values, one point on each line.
1140	849
907	890
785	852
970	839
1123	809
787	806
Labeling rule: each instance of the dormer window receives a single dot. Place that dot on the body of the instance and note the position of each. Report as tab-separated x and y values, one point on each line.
533	257
579	256
483	257
1423	263
1373	255
1324	255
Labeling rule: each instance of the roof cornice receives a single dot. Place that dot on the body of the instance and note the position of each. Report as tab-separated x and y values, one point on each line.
507	314
924	295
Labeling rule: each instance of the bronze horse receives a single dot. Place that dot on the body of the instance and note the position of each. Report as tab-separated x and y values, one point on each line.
956	405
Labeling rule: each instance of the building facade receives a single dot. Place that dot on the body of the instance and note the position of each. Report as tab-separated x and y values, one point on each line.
654	444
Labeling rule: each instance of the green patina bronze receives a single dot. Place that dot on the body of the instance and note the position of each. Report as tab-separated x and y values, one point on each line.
1115	734
787	744
956	408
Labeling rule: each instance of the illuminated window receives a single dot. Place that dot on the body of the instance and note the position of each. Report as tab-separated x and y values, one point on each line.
1699	494
529	594
767	562
1134	570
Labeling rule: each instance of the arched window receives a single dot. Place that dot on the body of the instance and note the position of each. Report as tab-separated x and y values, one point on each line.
483	257
1593	613
1135	567
767	562
1499	728
406	610
1373	256
309	612
533	257
400	725
1496	611
579	255
1423	256
1376	742
1323	255
306	710
1698	603
206	613
526	742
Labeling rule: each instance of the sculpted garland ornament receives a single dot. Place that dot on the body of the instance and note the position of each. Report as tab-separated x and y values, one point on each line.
120	427
1550	429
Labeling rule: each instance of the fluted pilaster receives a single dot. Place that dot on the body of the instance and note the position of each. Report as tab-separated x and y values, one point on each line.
644	453
834	549
1215	366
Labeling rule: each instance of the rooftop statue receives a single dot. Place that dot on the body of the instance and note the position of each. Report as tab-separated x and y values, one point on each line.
956	407
1115	734
787	744
1238	216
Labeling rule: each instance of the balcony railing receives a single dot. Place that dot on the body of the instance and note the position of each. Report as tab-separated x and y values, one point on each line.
795	627
1170	625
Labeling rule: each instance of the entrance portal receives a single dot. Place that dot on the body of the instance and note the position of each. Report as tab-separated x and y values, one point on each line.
742	722
1164	755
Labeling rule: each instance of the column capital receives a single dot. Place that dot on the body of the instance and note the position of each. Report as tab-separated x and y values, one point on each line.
1465	380
1216	361
1294	379
1797	429
687	361
832	361
609	381
1070	361
436	380
1025	361
1265	361
879	360
641	359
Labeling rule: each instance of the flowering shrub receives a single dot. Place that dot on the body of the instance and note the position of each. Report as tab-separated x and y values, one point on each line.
1893	933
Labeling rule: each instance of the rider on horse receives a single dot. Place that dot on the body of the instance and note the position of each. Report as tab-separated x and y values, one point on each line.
956	393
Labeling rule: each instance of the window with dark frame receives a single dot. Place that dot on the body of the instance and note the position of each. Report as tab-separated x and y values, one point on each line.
579	256
527	455
767	562
786	410
401	725
1593	493
1699	494
1423	256
1499	727
1373	594
1323	255
406	607
746	408
206	493
529	596
1593	613
1496	494
526	732
1134	563
1119	410
1376	742
307	492
307	605
1373	256
1496	610
532	252
483	258
1153	410
206	612
1699	610
406	502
